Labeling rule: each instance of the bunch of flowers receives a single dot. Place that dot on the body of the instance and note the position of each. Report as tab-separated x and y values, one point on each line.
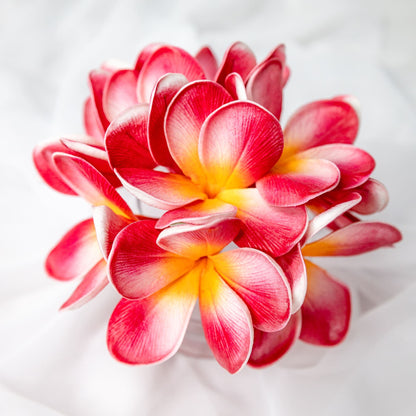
203	143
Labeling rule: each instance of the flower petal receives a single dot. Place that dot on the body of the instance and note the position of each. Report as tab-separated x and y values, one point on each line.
226	321
208	62
92	283
146	53
268	347
321	122
185	116
326	310
120	93
238	58
92	124
235	86
196	241
151	330
159	189
97	80
126	140
296	181
138	267
283	226
294	268
260	283
164	91
198	213
87	182
42	158
107	226
265	85
75	253
356	238
240	142
354	164
374	197
166	59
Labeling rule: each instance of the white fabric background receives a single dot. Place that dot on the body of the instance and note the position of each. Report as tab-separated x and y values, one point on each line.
56	363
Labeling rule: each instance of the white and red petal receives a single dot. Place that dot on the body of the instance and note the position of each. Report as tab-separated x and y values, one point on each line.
92	124
274	230
319	123
374	197
295	181
196	241
165	89
97	81
87	182
208	62
198	213
93	282
326	310
238	58
76	252
265	86
357	238
261	284
164	60
159	189
120	93
234	84
355	165
43	160
151	330
145	54
294	268
239	143
138	267
185	116
126	140
226	321
268	347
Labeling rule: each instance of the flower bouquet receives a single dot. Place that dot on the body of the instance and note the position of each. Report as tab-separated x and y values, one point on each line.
245	205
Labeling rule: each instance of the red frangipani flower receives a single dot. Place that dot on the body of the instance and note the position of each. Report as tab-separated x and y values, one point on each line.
162	275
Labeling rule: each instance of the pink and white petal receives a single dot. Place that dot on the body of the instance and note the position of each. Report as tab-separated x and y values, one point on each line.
322	220
208	62
107	226
268	347
234	84
166	59
92	124
126	140
226	321
97	81
185	116
91	285
196	241
327	308
76	252
87	182
198	213
159	189
294	268
319	123
283	226
43	159
356	238
279	53
239	143
120	93
265	85
165	89
374	197
138	267
354	164
146	53
296	181
238	58
151	330
261	284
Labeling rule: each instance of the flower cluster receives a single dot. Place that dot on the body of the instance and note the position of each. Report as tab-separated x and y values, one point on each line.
203	142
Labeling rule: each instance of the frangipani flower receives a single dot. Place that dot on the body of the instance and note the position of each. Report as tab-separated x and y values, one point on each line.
162	275
220	148
324	316
83	251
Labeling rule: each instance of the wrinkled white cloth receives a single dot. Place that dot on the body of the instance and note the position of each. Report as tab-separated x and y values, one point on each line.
55	363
